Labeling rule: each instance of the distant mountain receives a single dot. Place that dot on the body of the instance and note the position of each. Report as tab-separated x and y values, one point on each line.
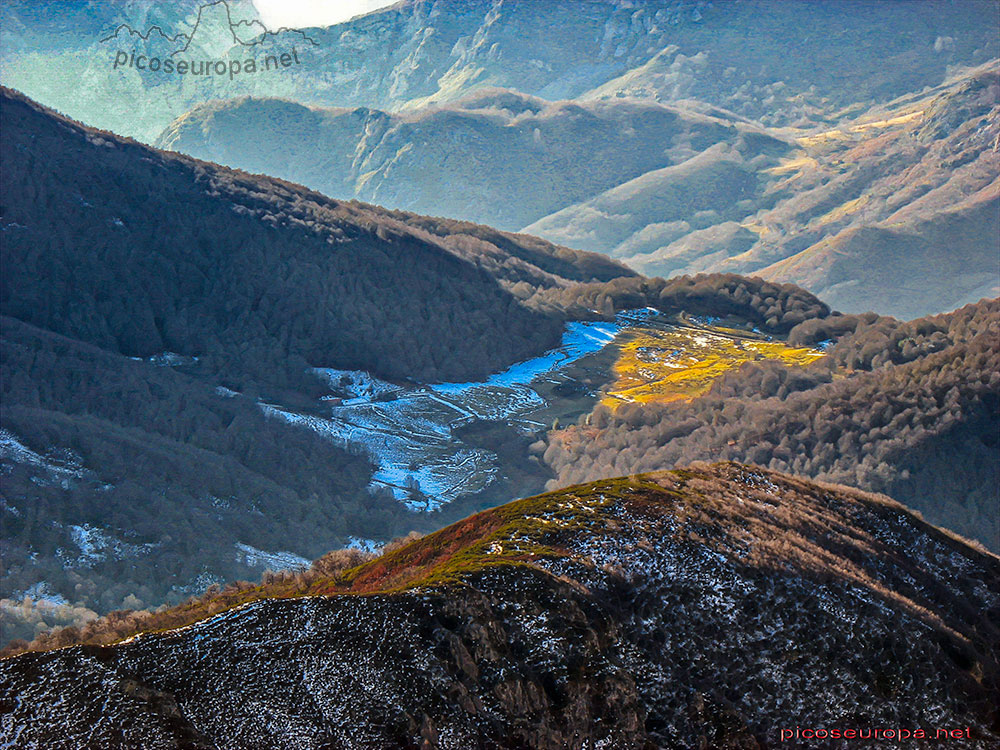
497	157
918	228
908	409
731	55
895	211
858	214
716	606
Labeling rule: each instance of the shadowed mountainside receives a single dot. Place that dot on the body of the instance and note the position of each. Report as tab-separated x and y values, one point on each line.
202	258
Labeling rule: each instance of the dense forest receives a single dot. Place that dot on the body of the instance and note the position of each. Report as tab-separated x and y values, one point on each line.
155	252
776	308
908	409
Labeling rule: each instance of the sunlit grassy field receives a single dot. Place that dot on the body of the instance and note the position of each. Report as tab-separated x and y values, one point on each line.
678	364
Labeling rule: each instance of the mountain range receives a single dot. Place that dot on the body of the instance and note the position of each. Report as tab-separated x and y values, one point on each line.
648	131
142	332
706	283
857	214
756	58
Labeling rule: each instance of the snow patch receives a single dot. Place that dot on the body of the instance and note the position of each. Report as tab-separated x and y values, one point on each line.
258	558
97	545
363	544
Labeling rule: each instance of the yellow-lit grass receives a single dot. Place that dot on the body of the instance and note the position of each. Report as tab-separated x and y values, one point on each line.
795	164
677	365
888	123
844	209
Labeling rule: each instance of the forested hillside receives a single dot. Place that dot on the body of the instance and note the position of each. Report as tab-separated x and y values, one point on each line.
128	483
150	304
908	409
155	252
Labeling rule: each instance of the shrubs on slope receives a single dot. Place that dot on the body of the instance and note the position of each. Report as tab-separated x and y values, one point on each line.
908	409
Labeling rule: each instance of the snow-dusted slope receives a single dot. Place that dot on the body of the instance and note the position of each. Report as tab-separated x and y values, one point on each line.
712	607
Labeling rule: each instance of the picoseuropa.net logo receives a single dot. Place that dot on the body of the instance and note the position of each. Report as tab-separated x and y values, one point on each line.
240	46
205	67
898	734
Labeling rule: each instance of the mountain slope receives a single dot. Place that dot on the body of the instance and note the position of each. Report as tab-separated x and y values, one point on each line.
920	215
133	483
497	157
681	608
201	258
894	407
893	211
729	55
939	260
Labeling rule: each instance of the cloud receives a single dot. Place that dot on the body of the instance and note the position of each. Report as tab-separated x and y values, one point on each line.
307	13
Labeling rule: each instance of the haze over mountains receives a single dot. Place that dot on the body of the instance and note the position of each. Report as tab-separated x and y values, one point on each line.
498	157
858	214
756	58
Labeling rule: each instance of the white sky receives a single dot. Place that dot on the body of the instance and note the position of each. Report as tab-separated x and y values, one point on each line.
303	13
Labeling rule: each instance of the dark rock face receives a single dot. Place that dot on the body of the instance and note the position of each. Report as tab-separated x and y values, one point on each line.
704	608
378	671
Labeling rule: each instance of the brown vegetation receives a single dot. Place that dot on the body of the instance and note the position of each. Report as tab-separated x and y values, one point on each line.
908	409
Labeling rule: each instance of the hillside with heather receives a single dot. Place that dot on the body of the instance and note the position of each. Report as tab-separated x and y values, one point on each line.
714	606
